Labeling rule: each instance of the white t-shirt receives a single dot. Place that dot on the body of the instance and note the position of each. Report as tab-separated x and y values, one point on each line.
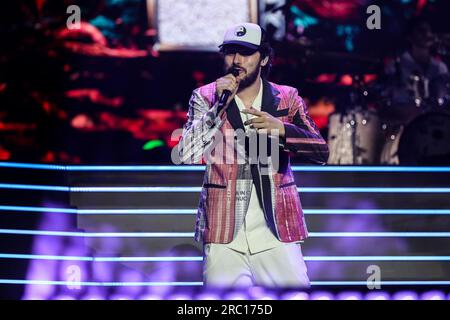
254	236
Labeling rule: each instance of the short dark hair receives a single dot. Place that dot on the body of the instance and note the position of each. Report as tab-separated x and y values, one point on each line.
266	51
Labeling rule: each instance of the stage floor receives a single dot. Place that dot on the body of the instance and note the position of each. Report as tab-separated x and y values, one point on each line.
127	231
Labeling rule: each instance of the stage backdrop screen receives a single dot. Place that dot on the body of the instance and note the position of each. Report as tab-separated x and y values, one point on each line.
197	24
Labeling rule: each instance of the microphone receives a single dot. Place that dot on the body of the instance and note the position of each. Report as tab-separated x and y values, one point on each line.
226	93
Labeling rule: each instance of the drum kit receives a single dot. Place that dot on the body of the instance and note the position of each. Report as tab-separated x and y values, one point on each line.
353	135
370	125
415	132
418	132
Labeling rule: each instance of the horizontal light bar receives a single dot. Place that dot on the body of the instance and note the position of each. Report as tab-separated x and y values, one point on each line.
136	189
17	165
38	209
167	168
378	211
327	168
99	234
137	211
191	234
93	284
373	190
301	189
33	187
380	234
142	284
97	189
99	259
199	258
381	283
100	211
377	258
198	189
194	211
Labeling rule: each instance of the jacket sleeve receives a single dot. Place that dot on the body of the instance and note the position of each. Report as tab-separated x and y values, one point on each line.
198	132
302	137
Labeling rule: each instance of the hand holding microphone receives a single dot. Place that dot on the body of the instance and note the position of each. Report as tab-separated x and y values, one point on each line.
226	88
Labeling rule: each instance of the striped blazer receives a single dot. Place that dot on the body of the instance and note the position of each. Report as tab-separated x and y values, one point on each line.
227	185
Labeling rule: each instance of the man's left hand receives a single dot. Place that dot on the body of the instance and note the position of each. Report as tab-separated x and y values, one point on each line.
264	121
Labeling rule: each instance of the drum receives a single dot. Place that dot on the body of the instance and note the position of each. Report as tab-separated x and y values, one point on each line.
440	91
389	152
354	137
424	141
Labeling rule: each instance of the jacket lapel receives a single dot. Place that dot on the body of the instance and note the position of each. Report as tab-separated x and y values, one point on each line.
234	116
270	99
270	102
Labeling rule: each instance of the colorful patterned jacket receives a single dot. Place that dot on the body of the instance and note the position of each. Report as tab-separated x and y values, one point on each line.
227	184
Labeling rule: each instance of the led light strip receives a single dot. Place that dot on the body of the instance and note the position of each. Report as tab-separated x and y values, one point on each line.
93	284
39	209
377	211
380	234
191	234
202	168
199	258
381	283
198	189
194	211
377	258
17	165
99	259
139	284
99	234
33	187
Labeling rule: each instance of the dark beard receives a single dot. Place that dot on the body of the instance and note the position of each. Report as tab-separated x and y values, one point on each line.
248	80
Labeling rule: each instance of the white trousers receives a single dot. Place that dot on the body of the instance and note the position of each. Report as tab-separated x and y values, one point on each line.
280	267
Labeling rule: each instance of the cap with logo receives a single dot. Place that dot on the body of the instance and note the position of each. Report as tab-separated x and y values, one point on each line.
245	34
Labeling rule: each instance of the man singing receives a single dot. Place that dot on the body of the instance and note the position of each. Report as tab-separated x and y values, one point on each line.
249	216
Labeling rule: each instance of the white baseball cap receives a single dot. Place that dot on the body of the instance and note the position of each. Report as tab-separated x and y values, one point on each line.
246	34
